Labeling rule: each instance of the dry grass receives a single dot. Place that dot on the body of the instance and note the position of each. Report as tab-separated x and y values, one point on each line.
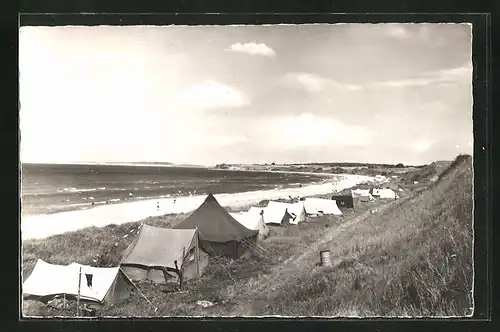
91	246
412	257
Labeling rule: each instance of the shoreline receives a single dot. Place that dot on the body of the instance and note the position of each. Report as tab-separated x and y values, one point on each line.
31	213
42	226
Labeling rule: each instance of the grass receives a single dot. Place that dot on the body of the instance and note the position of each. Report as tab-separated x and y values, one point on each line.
412	257
90	246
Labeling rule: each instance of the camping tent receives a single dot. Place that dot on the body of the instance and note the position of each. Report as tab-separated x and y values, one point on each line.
344	201
256	210
385	193
108	284
252	221
155	250
364	195
219	233
276	214
320	205
295	210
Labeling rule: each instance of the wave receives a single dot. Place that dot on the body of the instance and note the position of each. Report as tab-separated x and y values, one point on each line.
79	190
40	226
73	190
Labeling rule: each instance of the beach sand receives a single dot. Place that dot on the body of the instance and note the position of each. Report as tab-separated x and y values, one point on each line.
41	226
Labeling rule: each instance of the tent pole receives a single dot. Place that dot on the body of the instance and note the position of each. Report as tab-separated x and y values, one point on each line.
78	297
196	254
182	265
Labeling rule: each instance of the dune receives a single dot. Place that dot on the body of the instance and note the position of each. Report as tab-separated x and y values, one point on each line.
42	226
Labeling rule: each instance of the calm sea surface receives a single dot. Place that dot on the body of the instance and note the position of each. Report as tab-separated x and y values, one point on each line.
54	188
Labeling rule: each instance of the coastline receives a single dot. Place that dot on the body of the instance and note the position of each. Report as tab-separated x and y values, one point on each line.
30	209
42	226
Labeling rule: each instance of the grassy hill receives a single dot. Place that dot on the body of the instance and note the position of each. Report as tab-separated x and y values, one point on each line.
427	172
410	257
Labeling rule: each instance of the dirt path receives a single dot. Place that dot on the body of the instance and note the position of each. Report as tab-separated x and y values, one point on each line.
269	283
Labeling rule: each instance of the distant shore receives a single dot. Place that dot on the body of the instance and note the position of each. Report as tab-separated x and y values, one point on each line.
41	226
70	193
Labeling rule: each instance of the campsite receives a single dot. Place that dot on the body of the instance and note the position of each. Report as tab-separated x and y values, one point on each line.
258	167
265	260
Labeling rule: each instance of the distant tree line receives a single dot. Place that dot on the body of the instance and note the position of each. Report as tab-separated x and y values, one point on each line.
348	164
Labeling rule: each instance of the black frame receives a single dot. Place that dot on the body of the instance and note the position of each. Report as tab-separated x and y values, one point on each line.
482	135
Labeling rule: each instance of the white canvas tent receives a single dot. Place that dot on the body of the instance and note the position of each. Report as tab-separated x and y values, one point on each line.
296	210
253	221
385	193
364	195
276	214
109	285
256	210
316	206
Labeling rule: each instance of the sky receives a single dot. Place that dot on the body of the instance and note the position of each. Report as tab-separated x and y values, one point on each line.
382	93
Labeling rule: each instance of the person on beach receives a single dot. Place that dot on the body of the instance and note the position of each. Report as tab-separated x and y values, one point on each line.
158	205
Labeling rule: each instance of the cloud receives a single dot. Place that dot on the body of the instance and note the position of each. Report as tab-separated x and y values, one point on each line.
422	145
210	95
253	49
315	83
309	130
445	76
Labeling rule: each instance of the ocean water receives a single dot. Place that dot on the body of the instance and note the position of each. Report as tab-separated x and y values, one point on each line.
49	188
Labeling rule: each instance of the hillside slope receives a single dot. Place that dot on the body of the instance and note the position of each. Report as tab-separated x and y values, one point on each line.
409	257
426	173
412	258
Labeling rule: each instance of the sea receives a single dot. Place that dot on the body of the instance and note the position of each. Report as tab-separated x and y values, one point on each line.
52	188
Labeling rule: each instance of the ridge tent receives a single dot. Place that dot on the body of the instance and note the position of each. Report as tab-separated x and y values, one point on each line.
320	205
219	233
344	201
295	210
364	195
253	221
109	284
155	250
276	214
385	193
256	210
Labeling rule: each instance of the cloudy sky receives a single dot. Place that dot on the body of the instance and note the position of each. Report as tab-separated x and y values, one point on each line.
246	94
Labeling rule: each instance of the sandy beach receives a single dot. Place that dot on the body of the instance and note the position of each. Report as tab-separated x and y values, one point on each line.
41	226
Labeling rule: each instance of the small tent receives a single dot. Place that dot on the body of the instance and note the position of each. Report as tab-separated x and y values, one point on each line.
295	210
253	221
385	193
219	233
316	206
256	210
364	195
344	201
277	214
155	251
104	284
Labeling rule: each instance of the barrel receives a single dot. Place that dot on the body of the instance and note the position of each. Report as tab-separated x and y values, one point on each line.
325	258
